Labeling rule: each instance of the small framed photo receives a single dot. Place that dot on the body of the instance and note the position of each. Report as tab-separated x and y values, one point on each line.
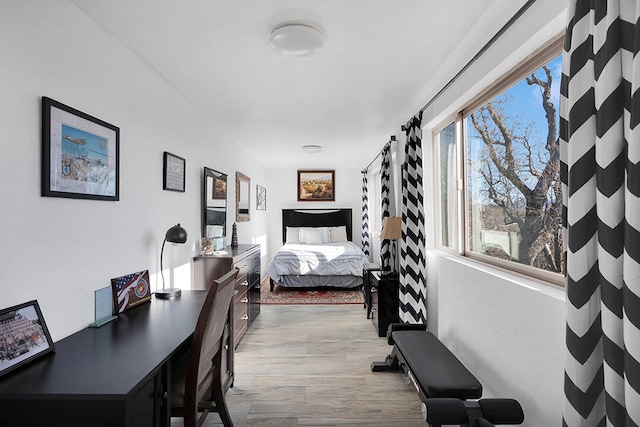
23	336
173	178
316	186
261	198
80	154
130	291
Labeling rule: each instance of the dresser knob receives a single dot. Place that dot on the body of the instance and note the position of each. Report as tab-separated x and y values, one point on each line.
245	317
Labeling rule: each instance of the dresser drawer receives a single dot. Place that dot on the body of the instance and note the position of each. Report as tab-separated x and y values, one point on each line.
247	262
241	317
242	284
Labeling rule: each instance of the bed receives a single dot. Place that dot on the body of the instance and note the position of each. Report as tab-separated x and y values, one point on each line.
317	250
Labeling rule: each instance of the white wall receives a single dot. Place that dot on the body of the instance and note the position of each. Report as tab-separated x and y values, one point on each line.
282	194
507	330
59	250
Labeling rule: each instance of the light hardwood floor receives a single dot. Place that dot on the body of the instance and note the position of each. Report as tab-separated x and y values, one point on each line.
309	365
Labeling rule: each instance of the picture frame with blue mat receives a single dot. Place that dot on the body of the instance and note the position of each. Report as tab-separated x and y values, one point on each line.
80	154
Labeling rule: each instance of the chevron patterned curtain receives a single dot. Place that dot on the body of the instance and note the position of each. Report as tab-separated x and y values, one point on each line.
600	154
366	242
413	286
385	245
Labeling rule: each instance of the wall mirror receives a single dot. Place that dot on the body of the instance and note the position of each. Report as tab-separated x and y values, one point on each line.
214	203
243	185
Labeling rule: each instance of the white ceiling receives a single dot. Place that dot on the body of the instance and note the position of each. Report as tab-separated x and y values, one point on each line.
382	61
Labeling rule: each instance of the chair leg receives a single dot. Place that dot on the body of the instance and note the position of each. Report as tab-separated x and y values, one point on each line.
217	391
221	404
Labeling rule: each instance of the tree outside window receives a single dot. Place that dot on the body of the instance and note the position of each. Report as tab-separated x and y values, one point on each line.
513	192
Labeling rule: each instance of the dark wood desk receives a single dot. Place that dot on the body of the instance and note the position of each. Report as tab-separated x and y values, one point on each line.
115	375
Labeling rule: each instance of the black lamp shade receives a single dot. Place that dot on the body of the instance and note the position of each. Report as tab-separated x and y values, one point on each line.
176	234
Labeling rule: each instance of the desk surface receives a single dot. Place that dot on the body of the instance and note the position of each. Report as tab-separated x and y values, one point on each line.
112	359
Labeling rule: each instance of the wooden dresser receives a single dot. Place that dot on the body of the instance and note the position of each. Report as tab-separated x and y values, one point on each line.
246	302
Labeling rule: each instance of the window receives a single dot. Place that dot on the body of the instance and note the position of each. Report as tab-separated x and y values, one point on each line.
375	191
505	185
446	156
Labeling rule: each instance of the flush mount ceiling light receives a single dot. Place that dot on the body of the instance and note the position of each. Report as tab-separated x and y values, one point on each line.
311	148
296	39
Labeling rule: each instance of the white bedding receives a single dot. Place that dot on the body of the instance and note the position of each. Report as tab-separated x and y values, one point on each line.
331	259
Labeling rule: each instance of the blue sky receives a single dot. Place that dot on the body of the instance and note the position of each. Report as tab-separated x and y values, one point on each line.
527	101
524	109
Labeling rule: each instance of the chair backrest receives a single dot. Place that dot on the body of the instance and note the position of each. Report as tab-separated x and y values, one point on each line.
207	339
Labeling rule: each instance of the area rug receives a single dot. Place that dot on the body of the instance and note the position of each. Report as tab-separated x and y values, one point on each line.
284	296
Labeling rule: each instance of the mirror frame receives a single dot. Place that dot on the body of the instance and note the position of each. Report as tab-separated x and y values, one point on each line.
242	216
212	173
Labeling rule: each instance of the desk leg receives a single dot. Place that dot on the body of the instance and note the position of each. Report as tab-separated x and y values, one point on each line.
164	390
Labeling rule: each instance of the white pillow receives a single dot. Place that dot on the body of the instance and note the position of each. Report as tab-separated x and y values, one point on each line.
293	235
314	235
338	234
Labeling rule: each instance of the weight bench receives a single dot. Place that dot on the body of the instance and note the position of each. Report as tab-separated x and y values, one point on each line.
442	382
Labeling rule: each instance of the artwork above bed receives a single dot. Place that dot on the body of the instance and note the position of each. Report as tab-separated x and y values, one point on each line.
317	250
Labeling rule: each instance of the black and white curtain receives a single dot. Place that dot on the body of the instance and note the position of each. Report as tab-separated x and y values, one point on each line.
385	185
366	240
600	155
413	286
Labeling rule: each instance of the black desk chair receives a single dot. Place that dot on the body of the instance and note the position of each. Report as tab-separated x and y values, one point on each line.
200	370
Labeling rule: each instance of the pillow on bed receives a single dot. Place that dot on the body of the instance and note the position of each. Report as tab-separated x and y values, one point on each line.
314	235
338	234
293	235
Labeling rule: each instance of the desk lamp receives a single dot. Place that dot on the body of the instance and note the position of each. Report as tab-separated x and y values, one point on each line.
392	230
175	234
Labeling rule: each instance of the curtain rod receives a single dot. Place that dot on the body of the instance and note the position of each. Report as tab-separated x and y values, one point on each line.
481	52
393	139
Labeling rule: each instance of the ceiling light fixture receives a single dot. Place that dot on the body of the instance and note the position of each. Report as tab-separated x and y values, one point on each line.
311	148
296	39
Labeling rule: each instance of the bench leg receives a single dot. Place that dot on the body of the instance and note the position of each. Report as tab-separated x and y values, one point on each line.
390	363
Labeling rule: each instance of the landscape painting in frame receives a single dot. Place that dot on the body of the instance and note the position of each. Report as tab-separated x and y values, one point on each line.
316	186
79	154
130	291
23	336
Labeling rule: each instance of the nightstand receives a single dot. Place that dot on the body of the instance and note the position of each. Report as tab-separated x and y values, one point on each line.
366	285
385	301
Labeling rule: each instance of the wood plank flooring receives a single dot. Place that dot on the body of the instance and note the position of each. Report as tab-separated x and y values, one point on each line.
309	365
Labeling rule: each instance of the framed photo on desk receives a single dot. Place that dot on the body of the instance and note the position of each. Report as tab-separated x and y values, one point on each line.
23	336
130	291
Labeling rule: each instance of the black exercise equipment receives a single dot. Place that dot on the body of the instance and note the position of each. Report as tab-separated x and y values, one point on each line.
442	382
476	413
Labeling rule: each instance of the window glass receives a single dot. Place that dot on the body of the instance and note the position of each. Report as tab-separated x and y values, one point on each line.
513	190
445	142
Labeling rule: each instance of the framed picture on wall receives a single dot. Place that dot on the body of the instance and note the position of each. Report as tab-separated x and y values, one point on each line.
316	186
173	176
261	198
23	336
80	154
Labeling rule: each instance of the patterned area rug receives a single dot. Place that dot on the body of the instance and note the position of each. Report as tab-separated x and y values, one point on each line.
283	296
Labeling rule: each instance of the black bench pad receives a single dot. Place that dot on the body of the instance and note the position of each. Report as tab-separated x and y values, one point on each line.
438	371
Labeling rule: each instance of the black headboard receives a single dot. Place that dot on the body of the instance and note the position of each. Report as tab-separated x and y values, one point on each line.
316	218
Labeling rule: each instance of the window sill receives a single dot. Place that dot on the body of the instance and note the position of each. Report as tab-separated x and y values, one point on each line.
547	288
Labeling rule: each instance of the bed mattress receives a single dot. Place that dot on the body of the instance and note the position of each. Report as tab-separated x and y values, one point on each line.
331	259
